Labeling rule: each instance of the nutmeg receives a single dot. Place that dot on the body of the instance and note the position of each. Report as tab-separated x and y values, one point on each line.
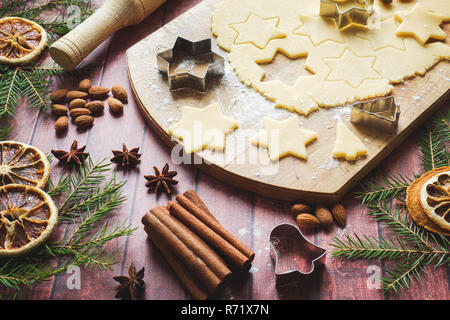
76	95
115	105
98	92
62	123
324	215
84	121
85	85
77	103
120	93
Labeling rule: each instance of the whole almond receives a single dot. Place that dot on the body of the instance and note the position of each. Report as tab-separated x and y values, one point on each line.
76	95
77	112
115	105
95	106
301	208
59	110
324	215
85	85
98	92
308	221
62	123
339	214
77	103
58	96
84	121
120	93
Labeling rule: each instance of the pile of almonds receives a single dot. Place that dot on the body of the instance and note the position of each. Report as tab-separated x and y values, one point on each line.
84	104
309	217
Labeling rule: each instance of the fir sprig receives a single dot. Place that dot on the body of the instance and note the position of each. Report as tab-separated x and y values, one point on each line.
87	200
410	247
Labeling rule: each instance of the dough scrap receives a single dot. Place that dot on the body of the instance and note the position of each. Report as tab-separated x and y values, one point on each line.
347	144
282	138
385	58
420	24
203	128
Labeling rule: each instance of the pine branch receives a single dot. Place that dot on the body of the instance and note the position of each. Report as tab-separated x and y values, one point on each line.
381	188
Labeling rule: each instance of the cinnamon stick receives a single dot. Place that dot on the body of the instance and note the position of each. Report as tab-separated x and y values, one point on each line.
195	199
186	278
207	279
193	242
215	225
228	251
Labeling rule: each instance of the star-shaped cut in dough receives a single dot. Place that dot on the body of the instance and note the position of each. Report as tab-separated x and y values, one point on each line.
351	68
319	30
282	138
347	144
203	128
420	24
257	31
384	36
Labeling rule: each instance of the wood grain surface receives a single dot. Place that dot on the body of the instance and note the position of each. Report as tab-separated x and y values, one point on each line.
319	179
248	216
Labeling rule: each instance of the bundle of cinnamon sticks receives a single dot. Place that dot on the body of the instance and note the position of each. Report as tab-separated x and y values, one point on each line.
198	248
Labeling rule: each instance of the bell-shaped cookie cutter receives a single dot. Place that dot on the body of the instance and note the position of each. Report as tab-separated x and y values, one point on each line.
381	113
278	238
359	14
184	49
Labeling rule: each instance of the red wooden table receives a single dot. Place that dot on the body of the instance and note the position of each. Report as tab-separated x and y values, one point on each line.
249	216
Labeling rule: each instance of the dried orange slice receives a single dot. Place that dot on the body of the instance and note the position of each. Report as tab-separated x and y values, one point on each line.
21	163
21	40
28	215
428	200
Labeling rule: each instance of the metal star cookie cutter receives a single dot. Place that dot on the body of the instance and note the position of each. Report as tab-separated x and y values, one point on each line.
287	240
381	113
190	53
358	14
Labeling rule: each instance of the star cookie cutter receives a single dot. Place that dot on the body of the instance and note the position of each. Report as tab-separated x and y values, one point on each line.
190	53
359	14
381	113
287	240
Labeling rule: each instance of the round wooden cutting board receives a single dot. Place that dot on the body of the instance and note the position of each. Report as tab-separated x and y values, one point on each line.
319	179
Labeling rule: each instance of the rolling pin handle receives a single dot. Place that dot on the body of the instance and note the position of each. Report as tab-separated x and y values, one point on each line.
113	15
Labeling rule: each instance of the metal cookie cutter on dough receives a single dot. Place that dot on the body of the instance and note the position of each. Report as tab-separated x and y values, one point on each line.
183	50
281	238
358	14
381	113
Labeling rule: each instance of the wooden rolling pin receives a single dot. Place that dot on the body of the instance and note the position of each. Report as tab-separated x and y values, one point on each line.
112	16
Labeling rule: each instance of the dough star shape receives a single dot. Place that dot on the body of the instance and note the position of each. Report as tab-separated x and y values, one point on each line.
257	31
383	37
352	69
420	24
203	128
347	144
282	138
319	30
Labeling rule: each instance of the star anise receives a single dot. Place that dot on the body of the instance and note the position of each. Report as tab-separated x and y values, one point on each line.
163	178
126	158
74	156
130	285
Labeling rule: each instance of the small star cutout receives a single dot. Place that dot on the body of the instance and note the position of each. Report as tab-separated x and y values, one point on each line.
420	24
203	127
282	138
383	37
257	31
351	68
319	30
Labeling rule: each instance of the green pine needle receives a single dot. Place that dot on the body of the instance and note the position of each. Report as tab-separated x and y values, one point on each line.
411	248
